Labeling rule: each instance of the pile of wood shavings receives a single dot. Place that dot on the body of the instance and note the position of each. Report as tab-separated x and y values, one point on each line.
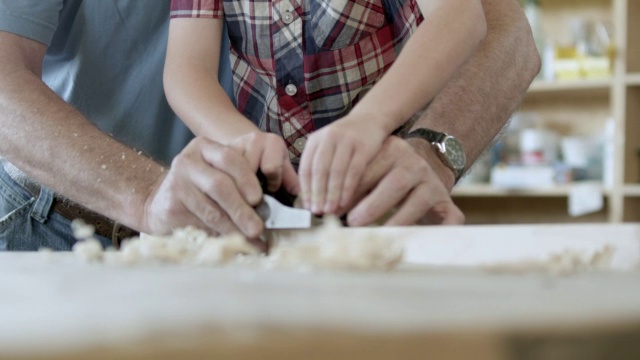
332	247
563	263
184	246
325	247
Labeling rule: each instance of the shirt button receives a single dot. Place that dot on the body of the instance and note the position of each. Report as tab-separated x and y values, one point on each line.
287	129
300	143
287	18
291	89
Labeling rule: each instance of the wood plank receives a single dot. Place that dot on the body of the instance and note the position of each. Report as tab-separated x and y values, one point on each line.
570	113
487	190
573	85
632	134
55	307
633	79
633	42
632	190
522	210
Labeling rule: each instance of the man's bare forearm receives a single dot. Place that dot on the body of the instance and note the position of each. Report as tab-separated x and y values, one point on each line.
477	103
56	146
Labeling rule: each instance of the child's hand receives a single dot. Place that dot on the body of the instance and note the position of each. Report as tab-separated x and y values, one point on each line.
268	152
334	161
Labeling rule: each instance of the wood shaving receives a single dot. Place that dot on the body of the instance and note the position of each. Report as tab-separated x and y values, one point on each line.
88	250
82	230
325	247
188	245
565	263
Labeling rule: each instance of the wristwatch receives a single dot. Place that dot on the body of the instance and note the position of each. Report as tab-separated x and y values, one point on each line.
448	148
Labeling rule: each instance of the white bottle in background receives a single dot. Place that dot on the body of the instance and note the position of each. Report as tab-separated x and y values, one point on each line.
532	143
548	62
538	146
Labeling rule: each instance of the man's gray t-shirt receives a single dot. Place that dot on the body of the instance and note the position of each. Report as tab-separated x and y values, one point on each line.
106	57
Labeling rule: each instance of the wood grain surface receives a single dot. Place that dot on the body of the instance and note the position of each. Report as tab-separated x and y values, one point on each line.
53	306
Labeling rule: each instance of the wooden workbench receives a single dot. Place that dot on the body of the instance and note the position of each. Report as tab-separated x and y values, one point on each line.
53	306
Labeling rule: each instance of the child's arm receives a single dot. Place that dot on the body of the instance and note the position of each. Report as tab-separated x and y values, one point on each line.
335	157
191	80
451	32
194	92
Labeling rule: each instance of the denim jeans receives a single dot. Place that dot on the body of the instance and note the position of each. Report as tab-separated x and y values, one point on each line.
28	223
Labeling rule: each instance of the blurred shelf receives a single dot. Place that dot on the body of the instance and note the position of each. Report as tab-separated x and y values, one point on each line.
580	107
633	79
486	190
570	85
631	190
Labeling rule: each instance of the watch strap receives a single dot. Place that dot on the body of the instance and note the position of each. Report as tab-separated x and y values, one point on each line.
429	135
434	138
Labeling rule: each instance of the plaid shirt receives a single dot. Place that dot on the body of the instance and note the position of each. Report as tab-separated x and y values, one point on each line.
301	64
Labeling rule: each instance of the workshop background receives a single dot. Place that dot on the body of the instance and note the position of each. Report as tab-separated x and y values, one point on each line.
572	152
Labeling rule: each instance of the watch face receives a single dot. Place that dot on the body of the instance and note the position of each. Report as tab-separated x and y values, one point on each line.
454	153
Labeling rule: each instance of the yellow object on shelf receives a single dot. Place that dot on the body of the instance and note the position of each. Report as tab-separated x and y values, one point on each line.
566	64
596	67
570	64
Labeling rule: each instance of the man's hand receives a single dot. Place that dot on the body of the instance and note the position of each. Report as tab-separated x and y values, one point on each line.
409	181
209	186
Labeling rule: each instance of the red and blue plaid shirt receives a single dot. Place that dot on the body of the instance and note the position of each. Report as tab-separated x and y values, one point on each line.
301	64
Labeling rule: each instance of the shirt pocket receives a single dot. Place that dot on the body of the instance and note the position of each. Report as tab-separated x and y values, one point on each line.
336	24
249	28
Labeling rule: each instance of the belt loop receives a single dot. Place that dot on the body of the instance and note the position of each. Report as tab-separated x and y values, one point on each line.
42	206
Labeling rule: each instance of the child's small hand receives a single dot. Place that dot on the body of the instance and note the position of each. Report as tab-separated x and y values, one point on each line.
268	152
334	161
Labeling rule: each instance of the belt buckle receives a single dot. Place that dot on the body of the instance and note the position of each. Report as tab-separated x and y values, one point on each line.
121	232
115	235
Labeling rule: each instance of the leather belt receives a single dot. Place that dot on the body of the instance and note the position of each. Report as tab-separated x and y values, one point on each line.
103	225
